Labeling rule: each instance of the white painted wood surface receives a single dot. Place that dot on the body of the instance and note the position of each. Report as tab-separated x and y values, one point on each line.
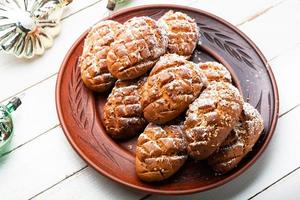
40	163
288	186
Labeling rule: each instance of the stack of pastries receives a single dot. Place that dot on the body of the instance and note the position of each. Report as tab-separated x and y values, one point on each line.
178	108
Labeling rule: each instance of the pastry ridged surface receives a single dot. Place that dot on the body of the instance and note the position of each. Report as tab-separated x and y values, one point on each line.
171	86
211	117
136	48
215	71
123	114
182	32
92	62
161	151
240	141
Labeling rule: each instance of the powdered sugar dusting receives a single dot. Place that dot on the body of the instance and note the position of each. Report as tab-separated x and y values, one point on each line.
241	140
123	114
136	48
171	86
163	152
211	117
182	32
92	62
215	71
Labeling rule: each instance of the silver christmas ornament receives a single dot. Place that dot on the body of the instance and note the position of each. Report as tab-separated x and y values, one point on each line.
27	27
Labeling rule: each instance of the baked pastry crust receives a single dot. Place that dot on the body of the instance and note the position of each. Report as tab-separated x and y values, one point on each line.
240	141
92	62
136	48
215	71
182	31
171	86
123	114
161	151
211	117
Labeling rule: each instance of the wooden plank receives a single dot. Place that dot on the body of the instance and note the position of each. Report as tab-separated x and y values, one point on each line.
149	2
280	158
276	30
76	6
37	165
36	115
89	184
235	11
287	188
286	70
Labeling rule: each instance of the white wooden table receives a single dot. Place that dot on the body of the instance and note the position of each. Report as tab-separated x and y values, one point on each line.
41	164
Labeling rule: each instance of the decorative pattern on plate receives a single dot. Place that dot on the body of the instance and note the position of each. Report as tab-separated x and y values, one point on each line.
79	100
226	43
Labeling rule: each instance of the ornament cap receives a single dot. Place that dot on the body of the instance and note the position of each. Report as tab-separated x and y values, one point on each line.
14	103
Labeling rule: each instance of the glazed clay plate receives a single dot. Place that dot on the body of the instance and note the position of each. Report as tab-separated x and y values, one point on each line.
80	110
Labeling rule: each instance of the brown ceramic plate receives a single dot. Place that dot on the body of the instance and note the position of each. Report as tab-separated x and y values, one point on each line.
80	110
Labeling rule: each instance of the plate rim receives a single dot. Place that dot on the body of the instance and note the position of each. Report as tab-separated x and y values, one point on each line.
158	191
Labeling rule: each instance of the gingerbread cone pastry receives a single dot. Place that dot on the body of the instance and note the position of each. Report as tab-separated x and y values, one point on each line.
240	141
92	62
137	48
182	32
123	114
171	86
211	117
215	71
161	151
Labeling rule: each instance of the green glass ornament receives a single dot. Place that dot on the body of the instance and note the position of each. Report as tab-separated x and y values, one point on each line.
111	4
6	123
